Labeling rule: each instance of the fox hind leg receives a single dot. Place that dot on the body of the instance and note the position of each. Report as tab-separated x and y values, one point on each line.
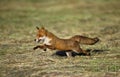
69	54
79	50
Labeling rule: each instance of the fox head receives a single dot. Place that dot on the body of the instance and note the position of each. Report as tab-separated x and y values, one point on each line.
42	36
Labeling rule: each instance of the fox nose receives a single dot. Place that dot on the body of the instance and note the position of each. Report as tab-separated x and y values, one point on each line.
34	39
37	40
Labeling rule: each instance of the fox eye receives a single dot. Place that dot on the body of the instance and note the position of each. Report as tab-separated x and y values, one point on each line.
39	35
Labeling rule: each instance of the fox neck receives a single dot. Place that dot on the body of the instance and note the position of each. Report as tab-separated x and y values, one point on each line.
51	35
47	40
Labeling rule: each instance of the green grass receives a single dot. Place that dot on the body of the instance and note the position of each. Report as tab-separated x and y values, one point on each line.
65	18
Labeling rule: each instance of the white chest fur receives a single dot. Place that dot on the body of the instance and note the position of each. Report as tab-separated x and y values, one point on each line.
47	41
44	40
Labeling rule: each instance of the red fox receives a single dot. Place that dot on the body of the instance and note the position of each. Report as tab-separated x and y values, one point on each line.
50	41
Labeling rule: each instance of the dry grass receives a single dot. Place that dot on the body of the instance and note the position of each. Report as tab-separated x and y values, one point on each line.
18	19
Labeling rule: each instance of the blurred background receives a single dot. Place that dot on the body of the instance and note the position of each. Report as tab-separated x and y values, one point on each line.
64	18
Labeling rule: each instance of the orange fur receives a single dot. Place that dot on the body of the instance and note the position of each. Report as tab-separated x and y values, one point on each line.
49	40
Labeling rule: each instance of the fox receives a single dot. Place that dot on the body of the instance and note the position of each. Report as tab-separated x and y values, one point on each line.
49	40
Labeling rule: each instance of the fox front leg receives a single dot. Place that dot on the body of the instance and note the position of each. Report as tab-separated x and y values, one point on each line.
36	47
41	47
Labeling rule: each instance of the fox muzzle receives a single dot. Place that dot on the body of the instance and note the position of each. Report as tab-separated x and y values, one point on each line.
39	40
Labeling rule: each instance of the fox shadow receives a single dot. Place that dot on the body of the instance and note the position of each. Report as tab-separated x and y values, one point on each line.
63	53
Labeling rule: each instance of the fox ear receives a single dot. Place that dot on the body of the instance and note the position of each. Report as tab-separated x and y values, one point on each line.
37	28
42	28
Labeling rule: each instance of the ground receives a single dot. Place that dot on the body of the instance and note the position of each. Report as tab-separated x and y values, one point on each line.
64	18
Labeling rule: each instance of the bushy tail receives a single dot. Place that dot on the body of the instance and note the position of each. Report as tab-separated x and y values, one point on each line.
85	40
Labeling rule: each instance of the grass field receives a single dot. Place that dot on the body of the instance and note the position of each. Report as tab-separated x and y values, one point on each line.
64	18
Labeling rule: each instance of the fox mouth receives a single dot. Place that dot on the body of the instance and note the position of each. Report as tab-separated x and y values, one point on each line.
41	41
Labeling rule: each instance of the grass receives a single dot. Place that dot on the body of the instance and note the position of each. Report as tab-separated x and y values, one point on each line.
98	18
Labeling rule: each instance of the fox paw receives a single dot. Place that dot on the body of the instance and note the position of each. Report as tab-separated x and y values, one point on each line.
96	39
45	49
88	54
35	48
